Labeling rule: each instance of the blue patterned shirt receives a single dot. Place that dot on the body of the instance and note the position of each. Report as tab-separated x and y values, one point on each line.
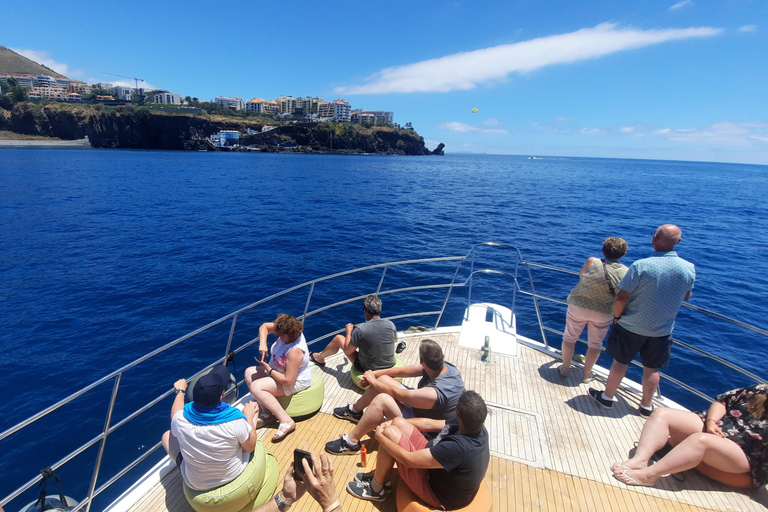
657	285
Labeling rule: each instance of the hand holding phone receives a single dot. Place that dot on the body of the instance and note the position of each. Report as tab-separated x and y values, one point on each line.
298	467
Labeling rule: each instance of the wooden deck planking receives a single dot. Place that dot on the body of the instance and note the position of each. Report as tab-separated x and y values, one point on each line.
580	441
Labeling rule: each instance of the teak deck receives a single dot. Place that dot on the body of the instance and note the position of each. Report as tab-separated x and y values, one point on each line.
551	445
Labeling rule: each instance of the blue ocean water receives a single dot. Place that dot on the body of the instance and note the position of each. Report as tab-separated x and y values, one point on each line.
108	254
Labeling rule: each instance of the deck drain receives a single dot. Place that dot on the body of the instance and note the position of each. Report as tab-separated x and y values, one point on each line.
515	435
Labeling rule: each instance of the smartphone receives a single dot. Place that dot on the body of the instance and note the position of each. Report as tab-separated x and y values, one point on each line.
298	467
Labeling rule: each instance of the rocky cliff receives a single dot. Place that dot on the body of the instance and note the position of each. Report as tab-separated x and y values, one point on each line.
141	128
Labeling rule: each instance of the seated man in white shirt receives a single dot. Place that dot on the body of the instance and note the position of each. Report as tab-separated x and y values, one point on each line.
210	440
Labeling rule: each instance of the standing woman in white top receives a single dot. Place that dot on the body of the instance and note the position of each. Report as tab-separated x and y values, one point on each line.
590	304
287	372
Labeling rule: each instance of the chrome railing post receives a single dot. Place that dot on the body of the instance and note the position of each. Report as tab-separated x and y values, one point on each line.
515	285
306	306
107	422
231	335
381	281
471	273
536	305
448	294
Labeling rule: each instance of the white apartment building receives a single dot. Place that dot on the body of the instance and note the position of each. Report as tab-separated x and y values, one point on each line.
233	103
338	110
78	87
262	106
166	98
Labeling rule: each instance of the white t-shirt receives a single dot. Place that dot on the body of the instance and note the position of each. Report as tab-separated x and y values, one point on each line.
212	453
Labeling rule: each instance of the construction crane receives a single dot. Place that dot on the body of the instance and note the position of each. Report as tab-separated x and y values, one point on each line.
135	80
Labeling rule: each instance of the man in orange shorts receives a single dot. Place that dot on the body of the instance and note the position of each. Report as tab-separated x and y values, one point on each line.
444	472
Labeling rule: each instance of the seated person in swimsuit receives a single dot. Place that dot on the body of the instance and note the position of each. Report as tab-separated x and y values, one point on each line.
370	345
436	396
730	436
444	472
287	372
210	440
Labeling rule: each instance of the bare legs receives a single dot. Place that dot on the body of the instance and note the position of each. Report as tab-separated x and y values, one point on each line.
651	379
265	390
379	406
591	358
338	342
385	462
683	430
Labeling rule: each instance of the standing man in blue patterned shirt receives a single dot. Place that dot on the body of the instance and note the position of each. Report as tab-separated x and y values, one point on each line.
644	312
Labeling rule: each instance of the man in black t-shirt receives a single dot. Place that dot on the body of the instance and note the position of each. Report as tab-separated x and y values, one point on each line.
445	472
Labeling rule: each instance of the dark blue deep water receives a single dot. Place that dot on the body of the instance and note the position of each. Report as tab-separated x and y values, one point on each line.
106	255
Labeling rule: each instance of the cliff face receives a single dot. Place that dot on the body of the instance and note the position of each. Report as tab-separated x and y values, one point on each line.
140	128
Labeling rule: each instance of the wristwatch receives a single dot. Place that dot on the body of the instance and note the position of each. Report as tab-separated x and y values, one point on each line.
180	391
281	504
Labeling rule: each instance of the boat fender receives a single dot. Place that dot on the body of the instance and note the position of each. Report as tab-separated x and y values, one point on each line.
50	503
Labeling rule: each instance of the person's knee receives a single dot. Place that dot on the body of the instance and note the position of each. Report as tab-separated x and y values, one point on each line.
393	433
401	423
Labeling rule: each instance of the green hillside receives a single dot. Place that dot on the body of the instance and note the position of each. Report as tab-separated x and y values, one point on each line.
11	63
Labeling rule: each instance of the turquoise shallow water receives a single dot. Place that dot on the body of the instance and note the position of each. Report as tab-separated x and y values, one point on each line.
107	254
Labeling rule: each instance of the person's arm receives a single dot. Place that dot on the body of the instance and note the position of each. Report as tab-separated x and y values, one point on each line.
250	411
292	491
413	370
178	403
619	303
586	265
420	459
292	364
427	424
714	414
265	330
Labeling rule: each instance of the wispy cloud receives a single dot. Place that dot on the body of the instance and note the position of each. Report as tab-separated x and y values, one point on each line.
44	59
725	133
680	5
468	70
455	126
593	131
748	28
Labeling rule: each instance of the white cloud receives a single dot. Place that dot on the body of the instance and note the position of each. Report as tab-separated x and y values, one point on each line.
627	129
748	28
44	59
455	126
468	70
491	122
680	5
593	131
726	133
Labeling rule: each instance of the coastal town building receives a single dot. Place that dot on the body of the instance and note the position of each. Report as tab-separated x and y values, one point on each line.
232	103
166	98
78	87
338	110
262	106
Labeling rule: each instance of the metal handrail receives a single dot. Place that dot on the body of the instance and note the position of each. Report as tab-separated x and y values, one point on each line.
110	428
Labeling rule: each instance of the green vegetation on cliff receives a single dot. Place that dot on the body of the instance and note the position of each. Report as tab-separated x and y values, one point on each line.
130	126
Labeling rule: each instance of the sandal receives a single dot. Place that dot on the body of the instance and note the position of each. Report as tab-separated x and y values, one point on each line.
283	430
312	358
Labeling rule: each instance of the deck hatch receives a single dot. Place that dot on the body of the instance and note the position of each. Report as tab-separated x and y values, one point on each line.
515	435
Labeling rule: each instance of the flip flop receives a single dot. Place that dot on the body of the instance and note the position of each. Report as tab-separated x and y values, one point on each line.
283	430
632	480
312	358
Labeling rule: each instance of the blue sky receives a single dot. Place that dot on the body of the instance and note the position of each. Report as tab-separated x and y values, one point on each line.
683	80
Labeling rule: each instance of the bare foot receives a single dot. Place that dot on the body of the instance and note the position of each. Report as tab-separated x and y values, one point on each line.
634	478
563	370
620	467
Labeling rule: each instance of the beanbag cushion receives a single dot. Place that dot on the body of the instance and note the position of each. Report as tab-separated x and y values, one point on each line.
357	374
407	501
253	487
736	480
307	402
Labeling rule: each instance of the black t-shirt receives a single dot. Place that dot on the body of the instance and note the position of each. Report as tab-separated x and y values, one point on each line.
464	458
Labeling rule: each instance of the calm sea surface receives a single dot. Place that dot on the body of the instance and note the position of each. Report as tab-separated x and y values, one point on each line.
107	254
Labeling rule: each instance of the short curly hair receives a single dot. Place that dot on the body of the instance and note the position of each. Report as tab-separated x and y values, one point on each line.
288	325
614	248
372	304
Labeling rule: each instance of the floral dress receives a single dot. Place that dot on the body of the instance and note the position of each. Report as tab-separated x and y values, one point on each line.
750	433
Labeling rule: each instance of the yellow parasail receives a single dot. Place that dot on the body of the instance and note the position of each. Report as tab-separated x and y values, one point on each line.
474	111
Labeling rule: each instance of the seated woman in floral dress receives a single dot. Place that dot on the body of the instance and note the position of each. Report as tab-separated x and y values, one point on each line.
287	372
731	437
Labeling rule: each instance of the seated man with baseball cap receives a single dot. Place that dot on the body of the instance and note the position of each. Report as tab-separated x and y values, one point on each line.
211	441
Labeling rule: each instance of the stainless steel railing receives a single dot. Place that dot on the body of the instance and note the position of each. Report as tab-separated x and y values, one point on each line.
510	271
